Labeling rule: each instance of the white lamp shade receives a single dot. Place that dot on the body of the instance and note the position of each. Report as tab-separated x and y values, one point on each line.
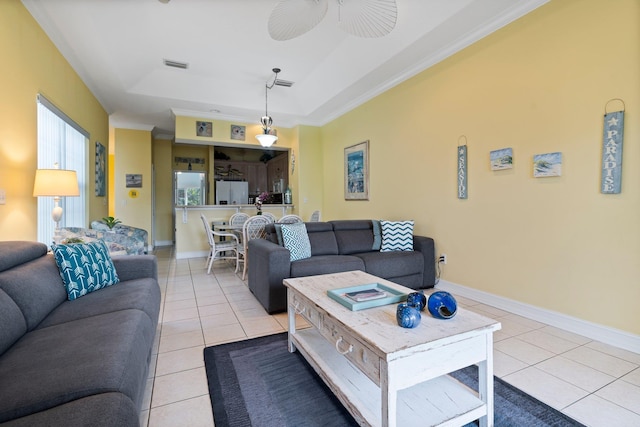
266	140
55	182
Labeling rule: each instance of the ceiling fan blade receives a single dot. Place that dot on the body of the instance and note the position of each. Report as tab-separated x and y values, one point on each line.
368	18
292	18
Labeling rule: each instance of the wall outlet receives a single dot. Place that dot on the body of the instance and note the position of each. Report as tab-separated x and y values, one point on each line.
442	259
3	197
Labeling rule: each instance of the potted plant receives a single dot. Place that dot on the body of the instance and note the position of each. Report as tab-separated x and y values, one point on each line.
111	221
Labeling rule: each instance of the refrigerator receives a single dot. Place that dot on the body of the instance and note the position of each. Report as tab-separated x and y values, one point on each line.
232	193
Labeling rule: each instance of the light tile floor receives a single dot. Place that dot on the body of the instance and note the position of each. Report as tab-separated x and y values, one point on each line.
594	383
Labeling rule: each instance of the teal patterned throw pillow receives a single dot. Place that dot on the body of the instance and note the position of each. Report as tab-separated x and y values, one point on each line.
397	236
296	239
85	267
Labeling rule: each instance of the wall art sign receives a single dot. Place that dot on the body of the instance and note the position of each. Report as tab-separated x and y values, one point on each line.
101	167
134	180
611	182
237	132
501	159
549	164
462	171
204	128
356	172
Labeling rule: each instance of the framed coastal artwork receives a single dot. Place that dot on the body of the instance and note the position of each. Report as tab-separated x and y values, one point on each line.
101	167
238	132
204	128
549	164
356	172
501	159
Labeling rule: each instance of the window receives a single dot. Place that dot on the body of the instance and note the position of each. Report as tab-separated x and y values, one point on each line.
63	142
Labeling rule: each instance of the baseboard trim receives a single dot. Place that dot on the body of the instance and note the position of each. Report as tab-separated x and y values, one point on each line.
164	243
594	331
195	254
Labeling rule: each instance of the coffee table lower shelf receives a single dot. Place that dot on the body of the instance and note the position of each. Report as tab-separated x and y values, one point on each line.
442	401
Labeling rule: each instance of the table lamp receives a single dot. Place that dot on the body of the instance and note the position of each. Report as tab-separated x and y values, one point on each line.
56	183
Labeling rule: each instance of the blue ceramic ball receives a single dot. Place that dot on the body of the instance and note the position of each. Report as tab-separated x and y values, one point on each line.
417	300
442	305
407	316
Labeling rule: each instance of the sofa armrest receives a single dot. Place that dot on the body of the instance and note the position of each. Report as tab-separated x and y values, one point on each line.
268	265
130	267
427	247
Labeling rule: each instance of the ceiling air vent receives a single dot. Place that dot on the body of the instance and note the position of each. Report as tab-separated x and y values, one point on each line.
285	83
175	64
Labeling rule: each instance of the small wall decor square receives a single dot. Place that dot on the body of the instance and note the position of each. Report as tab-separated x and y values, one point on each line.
356	172
204	128
134	180
101	176
501	159
549	164
237	132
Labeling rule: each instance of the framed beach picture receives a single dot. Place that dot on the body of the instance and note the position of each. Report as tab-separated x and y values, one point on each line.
356	172
501	159
238	132
204	128
101	167
549	164
134	180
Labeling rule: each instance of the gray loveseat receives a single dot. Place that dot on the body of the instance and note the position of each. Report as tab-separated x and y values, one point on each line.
336	246
73	363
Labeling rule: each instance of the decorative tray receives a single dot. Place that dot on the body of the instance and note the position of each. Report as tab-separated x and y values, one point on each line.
392	296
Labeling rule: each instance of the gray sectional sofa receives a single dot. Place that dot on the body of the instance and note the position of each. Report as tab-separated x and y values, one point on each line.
336	246
73	363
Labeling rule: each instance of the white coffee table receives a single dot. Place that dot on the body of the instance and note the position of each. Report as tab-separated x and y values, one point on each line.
386	375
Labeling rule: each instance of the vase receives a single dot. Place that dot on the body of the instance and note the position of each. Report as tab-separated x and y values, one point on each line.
417	300
442	305
259	213
408	316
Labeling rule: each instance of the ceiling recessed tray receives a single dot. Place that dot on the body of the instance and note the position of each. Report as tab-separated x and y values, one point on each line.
393	296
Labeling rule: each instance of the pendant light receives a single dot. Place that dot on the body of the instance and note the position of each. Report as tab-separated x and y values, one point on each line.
265	138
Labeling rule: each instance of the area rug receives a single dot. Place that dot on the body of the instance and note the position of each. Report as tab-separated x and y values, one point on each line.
258	383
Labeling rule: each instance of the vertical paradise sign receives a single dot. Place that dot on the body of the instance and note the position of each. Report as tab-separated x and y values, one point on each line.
462	168
611	182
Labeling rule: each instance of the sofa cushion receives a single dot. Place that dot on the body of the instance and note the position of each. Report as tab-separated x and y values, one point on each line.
295	238
100	410
392	264
397	236
85	267
16	253
105	353
35	287
140	294
353	236
13	324
325	264
322	238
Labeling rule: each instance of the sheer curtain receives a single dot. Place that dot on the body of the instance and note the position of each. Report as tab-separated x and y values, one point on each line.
63	142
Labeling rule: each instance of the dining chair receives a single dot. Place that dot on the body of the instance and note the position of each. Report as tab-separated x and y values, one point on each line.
290	219
315	216
220	250
238	218
269	215
253	228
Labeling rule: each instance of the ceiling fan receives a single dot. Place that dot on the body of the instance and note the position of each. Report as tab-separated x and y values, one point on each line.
361	18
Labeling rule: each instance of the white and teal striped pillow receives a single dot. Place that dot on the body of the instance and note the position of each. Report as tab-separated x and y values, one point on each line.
85	267
296	239
397	236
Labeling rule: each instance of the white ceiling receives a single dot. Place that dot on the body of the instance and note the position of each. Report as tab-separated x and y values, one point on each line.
118	46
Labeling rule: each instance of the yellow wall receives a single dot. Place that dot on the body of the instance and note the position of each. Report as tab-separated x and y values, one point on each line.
32	65
163	181
133	155
539	85
308	172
